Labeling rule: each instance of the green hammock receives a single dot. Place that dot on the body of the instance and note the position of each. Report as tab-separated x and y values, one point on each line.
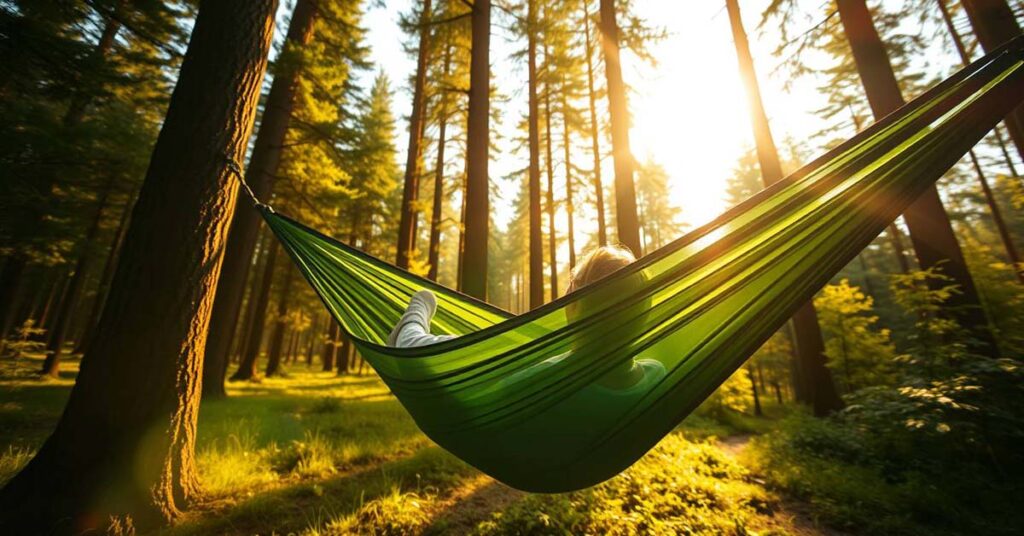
526	399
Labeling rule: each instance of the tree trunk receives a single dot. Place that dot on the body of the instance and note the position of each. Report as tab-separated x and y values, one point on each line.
552	237
997	218
253	284
344	356
411	190
280	324
930	230
434	254
994	24
570	232
247	368
244	229
330	347
128	430
57	334
108	273
757	397
602	232
812	348
536	234
625	190
474	260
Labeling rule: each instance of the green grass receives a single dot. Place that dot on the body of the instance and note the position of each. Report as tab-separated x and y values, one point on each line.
313	453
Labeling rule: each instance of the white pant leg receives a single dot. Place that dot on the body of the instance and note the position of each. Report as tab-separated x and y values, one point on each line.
412	334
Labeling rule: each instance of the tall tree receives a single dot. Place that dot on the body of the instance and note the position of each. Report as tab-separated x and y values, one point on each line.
994	24
260	175
810	345
602	233
437	206
536	249
410	191
473	278
930	230
550	167
622	155
260	304
284	298
129	426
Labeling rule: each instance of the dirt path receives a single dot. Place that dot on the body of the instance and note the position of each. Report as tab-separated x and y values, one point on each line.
788	516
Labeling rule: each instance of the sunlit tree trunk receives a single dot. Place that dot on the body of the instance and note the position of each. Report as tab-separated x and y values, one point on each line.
625	189
260	175
536	236
811	347
552	236
931	233
569	209
602	232
474	259
434	254
128	430
411	189
994	24
330	347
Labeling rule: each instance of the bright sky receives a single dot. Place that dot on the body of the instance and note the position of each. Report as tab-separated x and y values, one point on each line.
689	111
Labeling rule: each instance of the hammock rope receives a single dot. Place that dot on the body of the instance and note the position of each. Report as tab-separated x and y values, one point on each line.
524	398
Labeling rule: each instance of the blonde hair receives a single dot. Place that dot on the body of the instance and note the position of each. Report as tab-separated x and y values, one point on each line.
598	263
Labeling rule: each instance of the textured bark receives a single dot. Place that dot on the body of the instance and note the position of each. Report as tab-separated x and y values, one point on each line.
280	323
434	254
536	234
931	232
411	188
994	24
62	319
808	332
622	155
128	431
244	229
602	228
474	259
247	368
549	165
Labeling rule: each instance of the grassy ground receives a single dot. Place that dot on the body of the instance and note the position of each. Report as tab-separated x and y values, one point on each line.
317	454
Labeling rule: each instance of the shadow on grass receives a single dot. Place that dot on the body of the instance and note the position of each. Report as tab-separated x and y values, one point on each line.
311	505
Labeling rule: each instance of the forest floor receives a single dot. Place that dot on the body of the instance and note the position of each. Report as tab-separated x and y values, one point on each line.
314	453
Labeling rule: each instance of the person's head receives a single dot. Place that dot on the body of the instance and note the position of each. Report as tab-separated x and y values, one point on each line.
598	263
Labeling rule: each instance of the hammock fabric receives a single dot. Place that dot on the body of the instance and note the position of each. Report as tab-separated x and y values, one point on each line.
526	398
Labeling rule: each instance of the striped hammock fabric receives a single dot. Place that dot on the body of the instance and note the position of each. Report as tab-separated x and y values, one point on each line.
532	399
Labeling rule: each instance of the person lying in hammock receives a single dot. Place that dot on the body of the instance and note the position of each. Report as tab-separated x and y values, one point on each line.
413	328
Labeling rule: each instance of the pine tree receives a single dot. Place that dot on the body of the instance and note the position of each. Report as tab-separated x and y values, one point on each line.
158	305
473	277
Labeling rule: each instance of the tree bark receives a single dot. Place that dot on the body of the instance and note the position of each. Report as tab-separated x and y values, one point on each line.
58	332
474	260
127	433
434	254
994	24
244	228
280	324
602	232
931	232
247	368
622	155
411	189
549	164
753	390
811	351
536	233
